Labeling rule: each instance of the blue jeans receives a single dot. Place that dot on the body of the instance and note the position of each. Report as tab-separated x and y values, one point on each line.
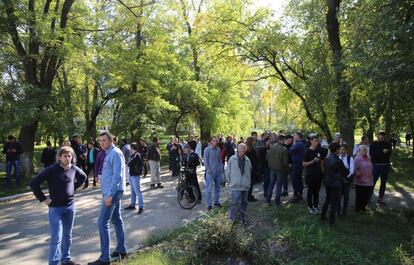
9	165
210	179
136	191
275	178
60	223
381	171
238	197
297	182
112	213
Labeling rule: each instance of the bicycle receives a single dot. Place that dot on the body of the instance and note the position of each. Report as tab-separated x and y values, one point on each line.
188	195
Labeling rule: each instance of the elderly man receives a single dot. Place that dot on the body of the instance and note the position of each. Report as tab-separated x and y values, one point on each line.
112	187
238	172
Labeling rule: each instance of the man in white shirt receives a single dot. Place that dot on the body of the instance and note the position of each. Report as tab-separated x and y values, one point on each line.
348	161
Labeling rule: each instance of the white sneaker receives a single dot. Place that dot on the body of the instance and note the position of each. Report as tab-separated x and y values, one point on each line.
315	210
311	211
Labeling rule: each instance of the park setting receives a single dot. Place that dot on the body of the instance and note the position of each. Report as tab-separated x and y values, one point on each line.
235	132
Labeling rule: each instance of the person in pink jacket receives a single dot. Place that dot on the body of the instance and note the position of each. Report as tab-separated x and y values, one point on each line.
364	181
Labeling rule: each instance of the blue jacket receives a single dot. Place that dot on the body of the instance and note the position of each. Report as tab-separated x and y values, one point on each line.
297	151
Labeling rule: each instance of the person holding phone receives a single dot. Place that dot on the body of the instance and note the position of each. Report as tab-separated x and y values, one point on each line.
312	162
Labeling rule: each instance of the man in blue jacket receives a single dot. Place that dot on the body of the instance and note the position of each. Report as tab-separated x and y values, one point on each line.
297	151
112	188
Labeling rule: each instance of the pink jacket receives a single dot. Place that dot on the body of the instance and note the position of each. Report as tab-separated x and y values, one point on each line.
363	171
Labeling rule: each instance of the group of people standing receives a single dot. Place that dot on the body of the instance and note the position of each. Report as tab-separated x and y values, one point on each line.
273	157
270	158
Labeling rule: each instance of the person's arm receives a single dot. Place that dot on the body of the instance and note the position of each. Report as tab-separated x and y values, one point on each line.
227	173
307	161
206	159
5	148
351	167
35	185
293	150
117	165
80	177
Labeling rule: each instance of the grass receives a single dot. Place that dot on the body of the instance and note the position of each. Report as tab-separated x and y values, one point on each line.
292	236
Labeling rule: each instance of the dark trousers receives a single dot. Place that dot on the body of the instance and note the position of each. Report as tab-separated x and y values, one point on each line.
314	185
89	169
285	183
332	200
381	171
265	171
192	180
362	195
297	179
343	198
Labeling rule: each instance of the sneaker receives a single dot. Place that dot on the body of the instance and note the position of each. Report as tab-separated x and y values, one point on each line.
252	199
116	254
209	208
243	222
70	262
218	205
315	209
153	187
130	208
311	211
159	186
99	262
140	211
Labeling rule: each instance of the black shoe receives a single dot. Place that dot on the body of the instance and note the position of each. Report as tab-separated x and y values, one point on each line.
130	208
284	194
99	262
159	186
140	211
153	187
382	203
209	208
85	187
116	254
218	205
252	199
70	262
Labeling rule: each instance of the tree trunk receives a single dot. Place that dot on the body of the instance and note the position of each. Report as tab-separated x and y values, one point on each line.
27	139
344	115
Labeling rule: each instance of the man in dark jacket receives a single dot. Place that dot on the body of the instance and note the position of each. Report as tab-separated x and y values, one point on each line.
335	171
48	155
297	151
380	153
12	149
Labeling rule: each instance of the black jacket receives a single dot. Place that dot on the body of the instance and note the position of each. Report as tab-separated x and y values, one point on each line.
48	157
377	154
153	152
335	171
135	164
12	156
191	162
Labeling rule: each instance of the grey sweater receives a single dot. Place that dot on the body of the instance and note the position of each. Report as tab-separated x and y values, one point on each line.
234	178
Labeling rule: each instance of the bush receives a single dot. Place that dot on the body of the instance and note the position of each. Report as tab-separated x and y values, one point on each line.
216	234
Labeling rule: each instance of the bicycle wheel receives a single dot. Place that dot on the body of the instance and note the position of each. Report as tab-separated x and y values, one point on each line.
188	196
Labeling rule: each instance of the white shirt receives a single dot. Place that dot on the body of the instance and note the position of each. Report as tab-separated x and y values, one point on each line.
350	167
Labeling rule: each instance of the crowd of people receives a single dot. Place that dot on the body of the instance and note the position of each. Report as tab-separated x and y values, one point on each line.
268	159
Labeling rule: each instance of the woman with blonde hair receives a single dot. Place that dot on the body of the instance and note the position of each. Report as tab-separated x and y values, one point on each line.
364	181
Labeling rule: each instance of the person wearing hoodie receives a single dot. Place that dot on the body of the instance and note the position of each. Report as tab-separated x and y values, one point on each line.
238	177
